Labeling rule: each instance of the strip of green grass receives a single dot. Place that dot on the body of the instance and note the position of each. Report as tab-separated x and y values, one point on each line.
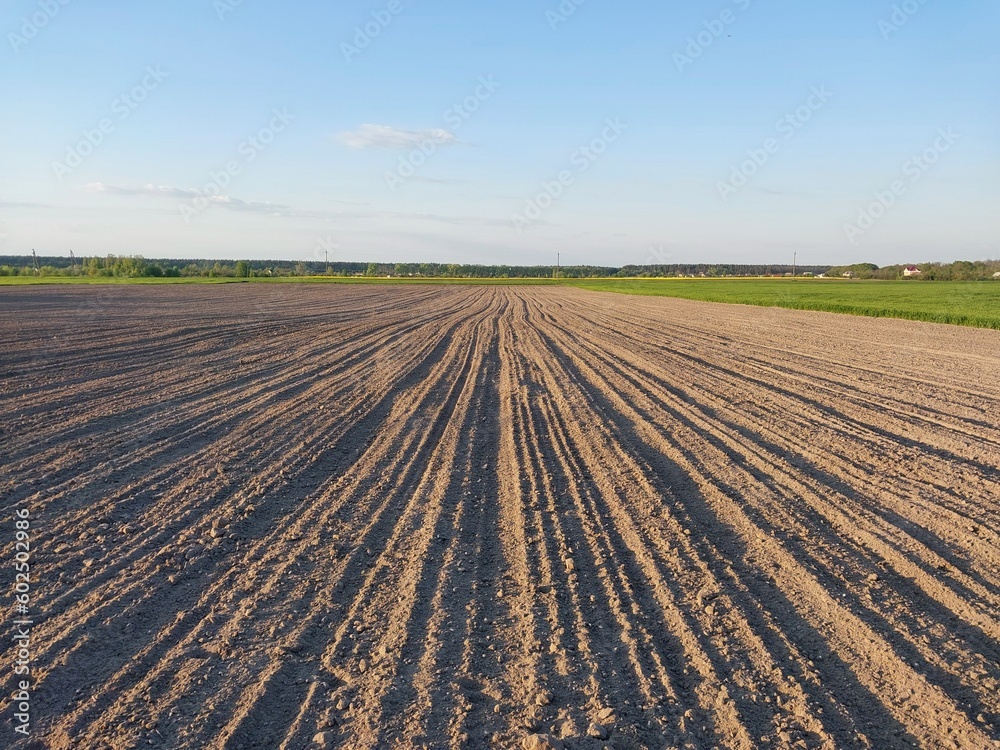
967	303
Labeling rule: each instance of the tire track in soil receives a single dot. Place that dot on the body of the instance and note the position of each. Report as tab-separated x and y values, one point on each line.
444	388
209	500
467	517
943	652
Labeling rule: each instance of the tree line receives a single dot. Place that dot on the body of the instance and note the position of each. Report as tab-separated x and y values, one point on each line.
959	270
135	266
138	267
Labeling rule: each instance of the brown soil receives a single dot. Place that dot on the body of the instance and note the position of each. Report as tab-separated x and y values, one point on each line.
302	516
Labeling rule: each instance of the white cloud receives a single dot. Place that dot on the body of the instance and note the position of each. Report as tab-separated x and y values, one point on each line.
281	210
163	191
20	204
384	136
167	191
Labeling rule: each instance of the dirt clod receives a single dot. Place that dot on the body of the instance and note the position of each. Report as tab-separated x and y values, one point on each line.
542	742
597	731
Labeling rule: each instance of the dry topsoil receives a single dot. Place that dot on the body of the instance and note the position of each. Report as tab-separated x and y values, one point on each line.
294	516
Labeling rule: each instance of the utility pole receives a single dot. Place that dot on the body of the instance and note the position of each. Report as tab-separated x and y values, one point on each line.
558	266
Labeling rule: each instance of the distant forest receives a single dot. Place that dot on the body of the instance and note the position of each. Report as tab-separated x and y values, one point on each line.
960	270
136	267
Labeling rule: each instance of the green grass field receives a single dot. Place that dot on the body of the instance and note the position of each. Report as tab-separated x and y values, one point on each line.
968	303
959	302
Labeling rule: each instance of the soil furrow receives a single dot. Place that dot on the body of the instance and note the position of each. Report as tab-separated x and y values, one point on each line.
329	516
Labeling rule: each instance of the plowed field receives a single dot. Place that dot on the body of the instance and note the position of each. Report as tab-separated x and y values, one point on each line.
326	516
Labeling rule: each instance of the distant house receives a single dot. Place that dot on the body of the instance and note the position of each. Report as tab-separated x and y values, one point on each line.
912	271
848	274
996	275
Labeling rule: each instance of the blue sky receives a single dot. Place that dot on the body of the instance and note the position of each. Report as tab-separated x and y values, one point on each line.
406	130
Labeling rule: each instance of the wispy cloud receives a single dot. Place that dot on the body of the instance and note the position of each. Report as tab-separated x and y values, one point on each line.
161	191
770	191
222	201
435	181
384	136
259	207
20	204
284	211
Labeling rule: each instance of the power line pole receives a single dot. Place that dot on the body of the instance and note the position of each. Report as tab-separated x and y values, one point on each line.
558	265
